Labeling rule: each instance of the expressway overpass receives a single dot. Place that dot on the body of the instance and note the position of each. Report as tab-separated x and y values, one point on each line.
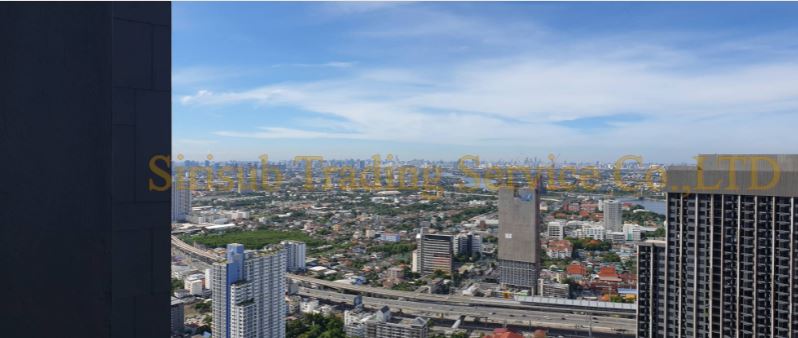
194	252
487	314
551	305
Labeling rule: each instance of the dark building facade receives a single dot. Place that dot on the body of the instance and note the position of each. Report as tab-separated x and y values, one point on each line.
85	104
651	258
727	267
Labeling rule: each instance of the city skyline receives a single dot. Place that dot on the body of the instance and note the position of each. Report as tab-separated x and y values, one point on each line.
590	82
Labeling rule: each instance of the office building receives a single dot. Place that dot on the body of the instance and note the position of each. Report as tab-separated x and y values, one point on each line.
248	293
519	237
435	252
556	230
728	266
613	215
181	200
295	255
468	244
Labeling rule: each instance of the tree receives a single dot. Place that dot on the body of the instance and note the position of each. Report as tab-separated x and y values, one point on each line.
176	284
202	307
316	325
611	257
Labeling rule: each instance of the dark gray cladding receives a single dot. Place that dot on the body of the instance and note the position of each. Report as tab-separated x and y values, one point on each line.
84	103
770	175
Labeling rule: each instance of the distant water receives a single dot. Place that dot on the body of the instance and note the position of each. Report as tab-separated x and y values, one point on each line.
657	206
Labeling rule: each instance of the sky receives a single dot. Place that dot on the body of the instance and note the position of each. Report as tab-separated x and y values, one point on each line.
583	81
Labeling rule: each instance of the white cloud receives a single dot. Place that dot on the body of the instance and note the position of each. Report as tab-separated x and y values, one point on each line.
518	94
518	100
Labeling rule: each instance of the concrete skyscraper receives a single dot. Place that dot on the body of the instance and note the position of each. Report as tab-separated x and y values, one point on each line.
613	215
519	237
295	255
435	252
248	294
727	267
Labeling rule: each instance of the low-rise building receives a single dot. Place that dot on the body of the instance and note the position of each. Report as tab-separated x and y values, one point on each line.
553	289
556	230
559	249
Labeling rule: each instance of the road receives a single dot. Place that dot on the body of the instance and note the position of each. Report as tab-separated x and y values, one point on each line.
489	314
596	308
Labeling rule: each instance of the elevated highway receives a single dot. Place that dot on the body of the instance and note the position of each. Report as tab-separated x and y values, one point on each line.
551	304
487	314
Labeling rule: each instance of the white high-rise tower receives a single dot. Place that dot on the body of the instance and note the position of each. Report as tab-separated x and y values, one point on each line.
181	201
613	215
295	255
248	294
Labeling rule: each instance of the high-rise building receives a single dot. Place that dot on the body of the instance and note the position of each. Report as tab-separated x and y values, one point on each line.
181	201
177	316
295	255
435	252
248	293
651	288
519	237
613	215
468	244
89	85
727	268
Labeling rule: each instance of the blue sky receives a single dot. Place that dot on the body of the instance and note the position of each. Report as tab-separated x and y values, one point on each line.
587	81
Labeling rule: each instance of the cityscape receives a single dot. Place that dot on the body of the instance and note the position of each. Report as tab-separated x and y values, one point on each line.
466	228
395	169
455	260
591	257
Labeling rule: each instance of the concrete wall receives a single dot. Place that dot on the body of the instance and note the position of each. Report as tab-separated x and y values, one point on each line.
519	224
84	103
752	174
